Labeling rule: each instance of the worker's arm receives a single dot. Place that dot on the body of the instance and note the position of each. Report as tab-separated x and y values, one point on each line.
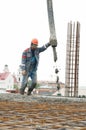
23	63
44	47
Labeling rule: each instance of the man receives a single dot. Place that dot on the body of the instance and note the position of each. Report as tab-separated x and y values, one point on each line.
30	60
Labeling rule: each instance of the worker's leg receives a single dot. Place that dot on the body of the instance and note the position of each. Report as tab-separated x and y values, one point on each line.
33	83
24	83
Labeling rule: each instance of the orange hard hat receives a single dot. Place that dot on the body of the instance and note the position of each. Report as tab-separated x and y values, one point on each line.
34	41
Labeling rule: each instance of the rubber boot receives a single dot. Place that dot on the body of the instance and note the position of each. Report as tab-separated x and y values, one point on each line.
31	89
22	89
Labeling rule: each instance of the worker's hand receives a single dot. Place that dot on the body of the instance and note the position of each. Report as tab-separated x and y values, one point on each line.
24	72
53	42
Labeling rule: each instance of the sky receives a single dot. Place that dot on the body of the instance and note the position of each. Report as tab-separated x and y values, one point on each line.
22	20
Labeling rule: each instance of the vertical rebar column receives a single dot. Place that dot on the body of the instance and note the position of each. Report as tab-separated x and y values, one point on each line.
72	60
77	59
68	48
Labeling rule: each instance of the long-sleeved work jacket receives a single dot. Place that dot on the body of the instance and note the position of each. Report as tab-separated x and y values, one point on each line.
30	62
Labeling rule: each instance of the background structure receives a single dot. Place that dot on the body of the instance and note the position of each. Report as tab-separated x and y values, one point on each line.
72	59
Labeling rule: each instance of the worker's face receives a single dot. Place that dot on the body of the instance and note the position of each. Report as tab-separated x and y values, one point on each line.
33	46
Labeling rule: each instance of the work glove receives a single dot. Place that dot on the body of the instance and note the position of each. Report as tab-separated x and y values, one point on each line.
24	72
53	42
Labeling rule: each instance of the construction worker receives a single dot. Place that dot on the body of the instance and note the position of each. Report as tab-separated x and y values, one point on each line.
30	60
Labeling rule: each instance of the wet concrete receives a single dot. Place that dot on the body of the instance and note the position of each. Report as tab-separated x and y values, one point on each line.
41	113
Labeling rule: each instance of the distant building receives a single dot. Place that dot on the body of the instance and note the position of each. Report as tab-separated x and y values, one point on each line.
7	80
19	76
6	68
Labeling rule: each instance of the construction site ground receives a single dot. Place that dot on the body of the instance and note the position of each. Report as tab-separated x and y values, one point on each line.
36	112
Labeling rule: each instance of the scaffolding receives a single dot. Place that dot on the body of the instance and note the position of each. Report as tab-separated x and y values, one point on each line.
72	59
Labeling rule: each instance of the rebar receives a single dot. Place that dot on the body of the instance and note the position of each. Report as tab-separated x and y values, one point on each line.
72	59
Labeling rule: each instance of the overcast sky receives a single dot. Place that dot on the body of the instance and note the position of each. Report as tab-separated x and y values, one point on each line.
22	20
